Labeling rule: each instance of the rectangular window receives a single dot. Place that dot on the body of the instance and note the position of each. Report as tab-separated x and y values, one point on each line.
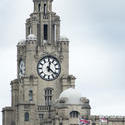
45	32
30	95
29	30
48	96
54	32
41	116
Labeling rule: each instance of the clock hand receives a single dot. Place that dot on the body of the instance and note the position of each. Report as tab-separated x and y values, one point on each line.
53	72
49	63
48	67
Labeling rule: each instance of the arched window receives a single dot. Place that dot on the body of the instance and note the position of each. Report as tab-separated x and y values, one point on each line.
74	114
44	8
39	7
48	96
26	116
30	95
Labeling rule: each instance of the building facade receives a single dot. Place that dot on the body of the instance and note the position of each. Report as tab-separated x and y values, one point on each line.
44	92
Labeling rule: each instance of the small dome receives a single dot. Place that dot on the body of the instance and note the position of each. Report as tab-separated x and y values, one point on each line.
62	38
72	95
21	42
31	37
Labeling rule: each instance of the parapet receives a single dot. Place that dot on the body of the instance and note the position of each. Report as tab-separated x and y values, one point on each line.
7	109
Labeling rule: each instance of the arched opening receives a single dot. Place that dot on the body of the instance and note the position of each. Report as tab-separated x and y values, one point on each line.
39	7
74	114
45	9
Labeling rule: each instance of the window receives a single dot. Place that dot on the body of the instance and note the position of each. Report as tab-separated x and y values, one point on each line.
93	123
26	116
60	124
41	116
29	30
39	7
45	32
44	9
48	96
74	114
30	95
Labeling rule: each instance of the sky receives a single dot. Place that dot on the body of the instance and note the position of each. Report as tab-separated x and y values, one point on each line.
96	31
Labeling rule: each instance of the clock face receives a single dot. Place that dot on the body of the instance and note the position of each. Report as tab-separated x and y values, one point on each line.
49	68
21	68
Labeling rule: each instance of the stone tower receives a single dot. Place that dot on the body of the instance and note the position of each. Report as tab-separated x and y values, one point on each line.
42	70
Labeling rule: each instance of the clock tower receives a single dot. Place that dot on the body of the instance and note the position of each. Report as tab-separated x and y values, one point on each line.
42	69
43	58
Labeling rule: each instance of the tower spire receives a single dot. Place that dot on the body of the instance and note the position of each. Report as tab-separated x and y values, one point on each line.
43	23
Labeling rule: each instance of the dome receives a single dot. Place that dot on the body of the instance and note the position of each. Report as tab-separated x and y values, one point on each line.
21	42
72	96
31	37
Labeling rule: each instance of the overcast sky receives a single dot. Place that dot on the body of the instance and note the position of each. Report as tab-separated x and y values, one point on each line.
96	29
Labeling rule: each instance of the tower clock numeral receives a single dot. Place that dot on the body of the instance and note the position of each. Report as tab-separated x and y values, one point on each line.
53	61
56	64
40	68
52	75
44	61
57	68
48	76
41	73
44	76
41	63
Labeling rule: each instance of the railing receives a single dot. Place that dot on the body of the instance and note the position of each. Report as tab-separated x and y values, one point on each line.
45	16
44	108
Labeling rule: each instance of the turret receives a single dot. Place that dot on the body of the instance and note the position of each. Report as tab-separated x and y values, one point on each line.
43	6
43	23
